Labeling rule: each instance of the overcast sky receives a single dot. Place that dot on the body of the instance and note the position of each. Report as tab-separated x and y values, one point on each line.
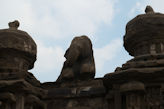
54	23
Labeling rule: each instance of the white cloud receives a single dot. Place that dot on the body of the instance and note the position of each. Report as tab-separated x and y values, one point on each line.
106	53
49	62
58	18
156	4
18	9
77	17
140	6
137	9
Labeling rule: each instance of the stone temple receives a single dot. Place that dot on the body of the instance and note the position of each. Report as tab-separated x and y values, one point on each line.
138	84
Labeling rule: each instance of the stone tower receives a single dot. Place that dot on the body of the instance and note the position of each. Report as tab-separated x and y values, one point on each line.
18	88
139	83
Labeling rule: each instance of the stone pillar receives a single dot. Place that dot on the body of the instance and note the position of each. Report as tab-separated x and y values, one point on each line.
0	103
2	106
28	106
20	102
134	101
110	100
133	93
117	100
153	99
32	101
7	100
5	105
117	97
8	106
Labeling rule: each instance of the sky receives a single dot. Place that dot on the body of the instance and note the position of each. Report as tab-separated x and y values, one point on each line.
54	23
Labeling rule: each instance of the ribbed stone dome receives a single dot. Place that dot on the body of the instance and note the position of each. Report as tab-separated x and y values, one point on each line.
17	49
145	34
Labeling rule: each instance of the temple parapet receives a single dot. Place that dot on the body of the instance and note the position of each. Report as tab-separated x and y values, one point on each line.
83	94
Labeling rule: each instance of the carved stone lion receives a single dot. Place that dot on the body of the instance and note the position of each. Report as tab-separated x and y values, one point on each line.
79	64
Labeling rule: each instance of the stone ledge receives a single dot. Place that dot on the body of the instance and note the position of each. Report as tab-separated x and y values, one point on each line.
21	85
135	74
81	89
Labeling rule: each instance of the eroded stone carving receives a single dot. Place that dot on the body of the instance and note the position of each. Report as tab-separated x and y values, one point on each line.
149	10
79	64
14	25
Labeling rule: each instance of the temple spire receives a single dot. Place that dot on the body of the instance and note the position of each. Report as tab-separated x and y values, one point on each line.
149	10
14	25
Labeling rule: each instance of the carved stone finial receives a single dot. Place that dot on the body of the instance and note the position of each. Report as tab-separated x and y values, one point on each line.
14	25
149	10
